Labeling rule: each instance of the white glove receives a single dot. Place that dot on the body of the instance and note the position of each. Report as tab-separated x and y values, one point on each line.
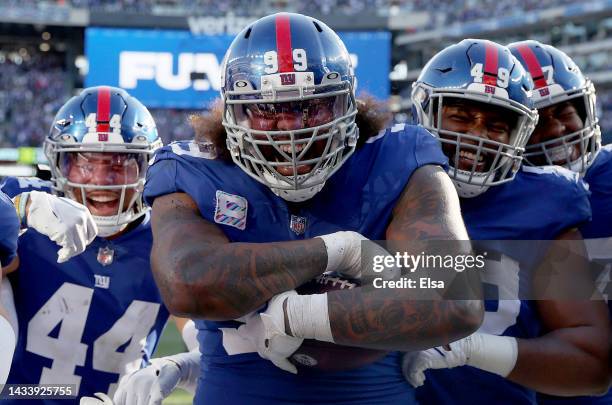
344	252
64	221
190	336
495	354
349	255
268	333
150	385
102	399
414	364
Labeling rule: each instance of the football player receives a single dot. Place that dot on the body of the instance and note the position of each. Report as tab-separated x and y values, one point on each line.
285	194
8	250
475	96
568	134
89	320
65	222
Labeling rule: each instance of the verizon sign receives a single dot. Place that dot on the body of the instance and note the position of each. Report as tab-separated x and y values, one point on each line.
228	24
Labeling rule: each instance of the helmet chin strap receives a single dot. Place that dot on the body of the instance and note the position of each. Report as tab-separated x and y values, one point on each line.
298	195
113	224
579	165
290	195
465	189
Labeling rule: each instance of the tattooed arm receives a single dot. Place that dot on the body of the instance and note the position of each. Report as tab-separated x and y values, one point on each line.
396	319
201	275
571	356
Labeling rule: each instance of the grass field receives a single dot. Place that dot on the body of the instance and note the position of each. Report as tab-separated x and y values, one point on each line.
171	343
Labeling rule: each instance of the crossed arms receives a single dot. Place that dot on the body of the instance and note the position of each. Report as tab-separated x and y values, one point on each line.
202	275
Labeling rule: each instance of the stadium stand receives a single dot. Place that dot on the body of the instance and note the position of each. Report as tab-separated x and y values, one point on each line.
33	83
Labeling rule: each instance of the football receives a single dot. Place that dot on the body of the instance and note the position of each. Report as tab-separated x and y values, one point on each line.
325	356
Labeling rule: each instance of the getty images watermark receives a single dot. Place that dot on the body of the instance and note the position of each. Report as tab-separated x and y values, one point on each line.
390	266
489	269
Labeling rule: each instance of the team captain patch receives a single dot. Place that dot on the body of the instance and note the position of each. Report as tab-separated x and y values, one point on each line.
231	210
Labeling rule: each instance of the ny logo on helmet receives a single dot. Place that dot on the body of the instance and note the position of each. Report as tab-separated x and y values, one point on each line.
287	79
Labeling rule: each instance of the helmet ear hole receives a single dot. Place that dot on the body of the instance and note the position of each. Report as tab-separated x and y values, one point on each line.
63	123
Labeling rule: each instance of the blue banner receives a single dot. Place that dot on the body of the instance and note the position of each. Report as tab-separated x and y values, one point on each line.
175	69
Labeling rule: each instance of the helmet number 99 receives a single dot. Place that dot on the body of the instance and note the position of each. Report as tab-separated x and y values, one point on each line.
300	61
503	75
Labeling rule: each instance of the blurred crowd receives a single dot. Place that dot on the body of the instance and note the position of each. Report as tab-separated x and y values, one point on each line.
33	86
604	101
443	12
173	125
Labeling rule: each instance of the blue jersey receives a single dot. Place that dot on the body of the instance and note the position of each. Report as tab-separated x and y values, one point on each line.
359	197
87	321
599	178
538	204
598	239
598	232
9	230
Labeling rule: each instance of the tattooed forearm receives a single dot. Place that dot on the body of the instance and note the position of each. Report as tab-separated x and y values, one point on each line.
377	319
403	319
201	275
243	276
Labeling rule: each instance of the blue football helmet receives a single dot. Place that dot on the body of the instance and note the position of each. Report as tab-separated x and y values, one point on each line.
483	72
103	126
288	90
558	79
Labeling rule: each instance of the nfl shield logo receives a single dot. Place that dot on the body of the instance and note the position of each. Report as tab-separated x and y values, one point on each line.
544	92
489	89
105	256
298	224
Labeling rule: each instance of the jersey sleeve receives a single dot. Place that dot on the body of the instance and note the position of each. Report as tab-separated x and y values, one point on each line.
17	185
428	150
161	179
579	206
178	167
568	205
9	231
575	194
